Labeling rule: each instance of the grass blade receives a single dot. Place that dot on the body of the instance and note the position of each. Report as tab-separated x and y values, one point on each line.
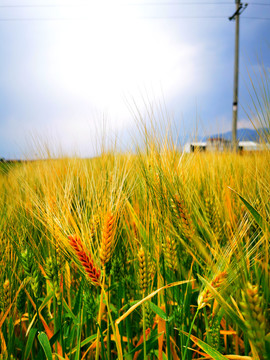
29	344
255	214
216	355
44	341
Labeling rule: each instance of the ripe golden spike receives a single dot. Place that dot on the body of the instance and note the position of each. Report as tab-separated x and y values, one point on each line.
135	230
85	260
182	214
206	295
107	239
208	208
94	225
170	254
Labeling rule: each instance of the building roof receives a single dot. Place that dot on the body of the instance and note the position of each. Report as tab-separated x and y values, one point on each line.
248	143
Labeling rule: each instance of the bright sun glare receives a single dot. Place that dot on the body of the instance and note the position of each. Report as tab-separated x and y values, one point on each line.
110	52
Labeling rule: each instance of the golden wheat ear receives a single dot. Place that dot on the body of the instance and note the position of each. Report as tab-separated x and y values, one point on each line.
107	239
183	215
170	253
144	275
253	311
218	281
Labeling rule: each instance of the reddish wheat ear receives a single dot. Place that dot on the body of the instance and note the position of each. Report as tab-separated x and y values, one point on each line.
85	260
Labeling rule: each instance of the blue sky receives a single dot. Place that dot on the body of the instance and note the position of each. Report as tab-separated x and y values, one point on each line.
70	67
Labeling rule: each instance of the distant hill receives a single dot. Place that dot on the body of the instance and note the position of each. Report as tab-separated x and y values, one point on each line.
242	135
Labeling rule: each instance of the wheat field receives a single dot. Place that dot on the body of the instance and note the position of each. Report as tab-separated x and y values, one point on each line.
144	255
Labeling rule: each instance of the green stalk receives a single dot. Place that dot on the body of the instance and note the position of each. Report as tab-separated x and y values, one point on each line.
206	324
38	318
129	336
79	331
191	326
60	309
144	333
108	327
128	324
118	346
54	316
181	338
100	315
168	347
119	297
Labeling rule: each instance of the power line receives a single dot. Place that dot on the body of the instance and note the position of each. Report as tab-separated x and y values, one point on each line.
255	18
124	4
259	4
129	4
139	17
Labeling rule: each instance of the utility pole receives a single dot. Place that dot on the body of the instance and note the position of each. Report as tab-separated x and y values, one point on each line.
238	11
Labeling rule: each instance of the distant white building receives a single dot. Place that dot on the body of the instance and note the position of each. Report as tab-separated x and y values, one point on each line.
251	146
194	146
219	144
